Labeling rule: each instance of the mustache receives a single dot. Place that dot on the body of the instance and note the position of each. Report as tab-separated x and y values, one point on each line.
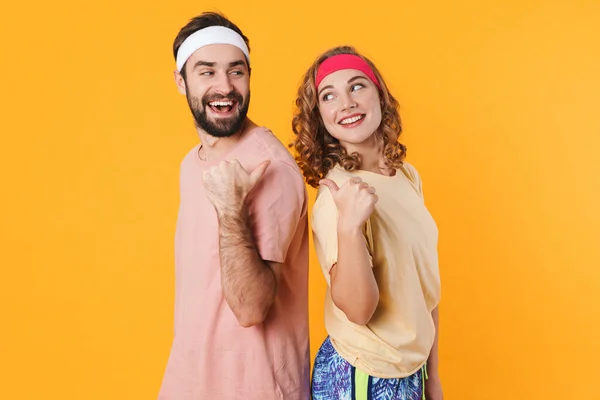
233	95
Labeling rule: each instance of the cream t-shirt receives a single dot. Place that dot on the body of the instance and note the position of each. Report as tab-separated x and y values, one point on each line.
402	239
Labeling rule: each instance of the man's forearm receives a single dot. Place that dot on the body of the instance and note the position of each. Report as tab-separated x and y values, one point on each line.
249	284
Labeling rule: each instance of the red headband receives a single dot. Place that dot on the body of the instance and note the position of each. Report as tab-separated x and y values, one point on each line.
344	61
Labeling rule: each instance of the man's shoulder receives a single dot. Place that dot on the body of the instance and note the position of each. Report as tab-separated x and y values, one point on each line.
190	155
268	146
267	143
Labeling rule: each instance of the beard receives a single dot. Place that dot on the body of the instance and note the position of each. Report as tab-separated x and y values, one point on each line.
221	127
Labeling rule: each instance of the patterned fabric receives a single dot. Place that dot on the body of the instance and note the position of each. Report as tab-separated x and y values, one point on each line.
336	379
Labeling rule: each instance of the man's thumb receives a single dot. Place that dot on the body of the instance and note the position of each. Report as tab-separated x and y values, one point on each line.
259	171
333	187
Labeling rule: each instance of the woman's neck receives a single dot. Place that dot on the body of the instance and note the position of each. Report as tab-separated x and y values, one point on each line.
371	155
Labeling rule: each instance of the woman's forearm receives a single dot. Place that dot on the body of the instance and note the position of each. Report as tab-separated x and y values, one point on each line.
353	286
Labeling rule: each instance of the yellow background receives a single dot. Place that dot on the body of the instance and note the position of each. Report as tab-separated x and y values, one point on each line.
500	105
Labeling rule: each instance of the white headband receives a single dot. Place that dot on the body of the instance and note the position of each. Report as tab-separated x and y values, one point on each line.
207	36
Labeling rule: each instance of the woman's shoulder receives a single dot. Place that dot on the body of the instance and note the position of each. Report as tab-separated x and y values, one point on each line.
324	199
410	170
412	174
339	175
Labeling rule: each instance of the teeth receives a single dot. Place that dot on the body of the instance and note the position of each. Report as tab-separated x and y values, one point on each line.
221	103
351	120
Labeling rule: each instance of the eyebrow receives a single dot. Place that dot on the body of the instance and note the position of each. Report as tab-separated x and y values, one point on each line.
204	64
212	64
236	63
354	78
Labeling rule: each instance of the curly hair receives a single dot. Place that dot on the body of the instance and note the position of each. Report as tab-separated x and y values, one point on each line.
316	150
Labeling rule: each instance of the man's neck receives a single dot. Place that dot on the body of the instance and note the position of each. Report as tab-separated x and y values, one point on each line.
214	147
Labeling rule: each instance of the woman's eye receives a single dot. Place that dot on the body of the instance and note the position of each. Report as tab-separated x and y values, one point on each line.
356	87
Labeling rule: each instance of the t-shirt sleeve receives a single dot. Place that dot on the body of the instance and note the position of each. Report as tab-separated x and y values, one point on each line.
414	177
276	206
324	226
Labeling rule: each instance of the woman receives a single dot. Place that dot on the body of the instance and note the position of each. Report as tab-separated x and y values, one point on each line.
375	240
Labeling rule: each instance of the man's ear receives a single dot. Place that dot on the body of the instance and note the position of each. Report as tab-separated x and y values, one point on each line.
179	81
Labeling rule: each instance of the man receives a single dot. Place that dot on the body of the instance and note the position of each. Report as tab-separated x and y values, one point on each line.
241	243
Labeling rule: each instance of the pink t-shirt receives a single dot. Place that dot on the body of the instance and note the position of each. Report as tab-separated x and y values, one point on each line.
212	356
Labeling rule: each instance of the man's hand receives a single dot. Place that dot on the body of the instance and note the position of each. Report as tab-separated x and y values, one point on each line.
228	184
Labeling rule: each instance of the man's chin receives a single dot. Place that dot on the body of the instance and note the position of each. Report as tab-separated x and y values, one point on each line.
220	134
223	121
223	128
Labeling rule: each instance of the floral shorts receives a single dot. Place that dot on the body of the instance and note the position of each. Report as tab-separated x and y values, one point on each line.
336	379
